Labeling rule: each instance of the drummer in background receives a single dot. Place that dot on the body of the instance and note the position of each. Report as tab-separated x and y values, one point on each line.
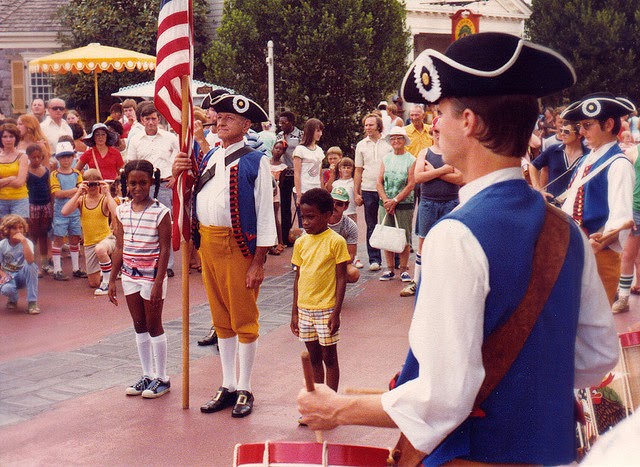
468	287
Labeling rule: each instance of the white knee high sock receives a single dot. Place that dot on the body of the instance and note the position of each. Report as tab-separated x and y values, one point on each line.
143	341
75	257
417	271
228	350
159	345
246	356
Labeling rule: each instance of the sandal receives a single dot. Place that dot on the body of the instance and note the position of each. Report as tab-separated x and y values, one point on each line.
274	251
280	248
635	290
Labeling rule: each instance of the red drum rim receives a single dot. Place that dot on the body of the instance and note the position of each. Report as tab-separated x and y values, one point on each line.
310	453
630	339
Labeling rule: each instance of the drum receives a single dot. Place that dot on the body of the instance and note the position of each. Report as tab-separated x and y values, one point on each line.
630	343
289	454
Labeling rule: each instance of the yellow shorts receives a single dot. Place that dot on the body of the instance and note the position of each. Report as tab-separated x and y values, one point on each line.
314	326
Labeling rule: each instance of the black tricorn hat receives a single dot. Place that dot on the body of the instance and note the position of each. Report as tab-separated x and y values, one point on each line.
486	64
239	105
599	105
206	102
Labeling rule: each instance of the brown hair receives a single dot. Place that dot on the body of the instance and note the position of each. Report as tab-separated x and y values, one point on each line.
506	122
378	120
92	174
310	128
34	132
9	221
10	128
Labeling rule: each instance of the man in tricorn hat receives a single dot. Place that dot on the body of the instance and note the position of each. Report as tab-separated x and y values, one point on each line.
478	264
234	206
600	195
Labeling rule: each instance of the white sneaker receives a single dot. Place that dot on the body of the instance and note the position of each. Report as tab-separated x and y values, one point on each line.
358	264
102	290
374	267
621	305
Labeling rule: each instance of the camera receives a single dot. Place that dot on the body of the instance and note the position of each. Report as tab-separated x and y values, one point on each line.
92	184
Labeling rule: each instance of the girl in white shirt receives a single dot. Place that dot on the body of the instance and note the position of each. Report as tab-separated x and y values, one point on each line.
307	159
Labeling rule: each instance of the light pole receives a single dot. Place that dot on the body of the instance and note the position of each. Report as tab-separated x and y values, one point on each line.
272	100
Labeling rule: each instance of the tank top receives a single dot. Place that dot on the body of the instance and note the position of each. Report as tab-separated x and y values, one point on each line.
95	225
7	170
39	188
437	189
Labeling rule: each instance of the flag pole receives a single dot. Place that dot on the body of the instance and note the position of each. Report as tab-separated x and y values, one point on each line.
186	259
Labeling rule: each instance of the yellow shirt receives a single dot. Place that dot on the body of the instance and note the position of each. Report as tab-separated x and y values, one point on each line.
316	257
419	139
9	192
95	225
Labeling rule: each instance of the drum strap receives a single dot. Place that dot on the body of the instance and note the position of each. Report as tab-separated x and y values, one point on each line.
502	346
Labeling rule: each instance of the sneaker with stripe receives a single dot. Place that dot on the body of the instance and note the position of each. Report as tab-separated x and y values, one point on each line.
156	389
139	387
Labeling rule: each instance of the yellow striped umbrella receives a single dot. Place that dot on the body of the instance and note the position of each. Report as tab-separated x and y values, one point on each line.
93	58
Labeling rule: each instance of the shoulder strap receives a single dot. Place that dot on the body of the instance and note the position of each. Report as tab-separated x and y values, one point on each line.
503	345
211	171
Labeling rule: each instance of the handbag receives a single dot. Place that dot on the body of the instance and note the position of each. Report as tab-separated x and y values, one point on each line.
389	238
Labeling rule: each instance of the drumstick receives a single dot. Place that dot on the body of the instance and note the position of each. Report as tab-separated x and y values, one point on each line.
308	381
363	391
613	233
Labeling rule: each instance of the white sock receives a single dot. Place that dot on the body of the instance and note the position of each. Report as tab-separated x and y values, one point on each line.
228	349
246	356
57	262
159	345
417	270
143	341
75	260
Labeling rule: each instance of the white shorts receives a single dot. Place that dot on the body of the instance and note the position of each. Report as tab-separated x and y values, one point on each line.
131	286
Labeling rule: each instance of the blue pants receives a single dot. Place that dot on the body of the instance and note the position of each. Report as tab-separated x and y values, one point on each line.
25	277
371	201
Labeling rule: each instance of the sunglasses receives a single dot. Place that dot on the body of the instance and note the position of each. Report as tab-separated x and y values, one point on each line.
57	107
340	204
566	132
585	125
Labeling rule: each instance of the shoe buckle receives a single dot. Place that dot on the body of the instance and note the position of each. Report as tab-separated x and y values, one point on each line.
218	396
242	399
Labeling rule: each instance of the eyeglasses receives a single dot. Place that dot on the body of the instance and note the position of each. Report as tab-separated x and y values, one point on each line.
340	204
585	125
57	107
566	132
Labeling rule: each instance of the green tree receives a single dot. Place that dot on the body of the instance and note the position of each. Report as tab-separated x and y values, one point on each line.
334	59
129	24
599	38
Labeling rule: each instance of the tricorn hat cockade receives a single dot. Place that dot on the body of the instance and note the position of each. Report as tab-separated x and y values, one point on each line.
600	105
486	64
239	105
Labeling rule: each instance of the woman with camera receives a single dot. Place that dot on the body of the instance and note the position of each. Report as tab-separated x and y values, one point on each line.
102	155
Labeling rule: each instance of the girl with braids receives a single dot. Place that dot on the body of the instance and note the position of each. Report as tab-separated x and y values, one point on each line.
143	239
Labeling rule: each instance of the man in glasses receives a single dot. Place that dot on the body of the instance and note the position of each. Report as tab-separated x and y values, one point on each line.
600	195
55	126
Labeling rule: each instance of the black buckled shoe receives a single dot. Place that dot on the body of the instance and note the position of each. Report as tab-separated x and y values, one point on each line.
244	404
223	399
211	339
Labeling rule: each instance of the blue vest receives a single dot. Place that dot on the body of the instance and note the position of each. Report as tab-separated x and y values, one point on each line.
530	414
596	190
248	169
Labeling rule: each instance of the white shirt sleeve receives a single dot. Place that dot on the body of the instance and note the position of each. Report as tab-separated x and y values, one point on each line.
446	338
596	348
620	179
263	192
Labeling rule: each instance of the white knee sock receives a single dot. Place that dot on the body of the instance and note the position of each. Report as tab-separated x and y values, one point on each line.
228	350
159	345
74	252
246	356
143	341
417	271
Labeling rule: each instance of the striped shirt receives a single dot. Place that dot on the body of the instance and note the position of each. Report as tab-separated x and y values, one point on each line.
141	247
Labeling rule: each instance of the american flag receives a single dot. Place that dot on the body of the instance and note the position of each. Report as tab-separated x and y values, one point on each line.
174	60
